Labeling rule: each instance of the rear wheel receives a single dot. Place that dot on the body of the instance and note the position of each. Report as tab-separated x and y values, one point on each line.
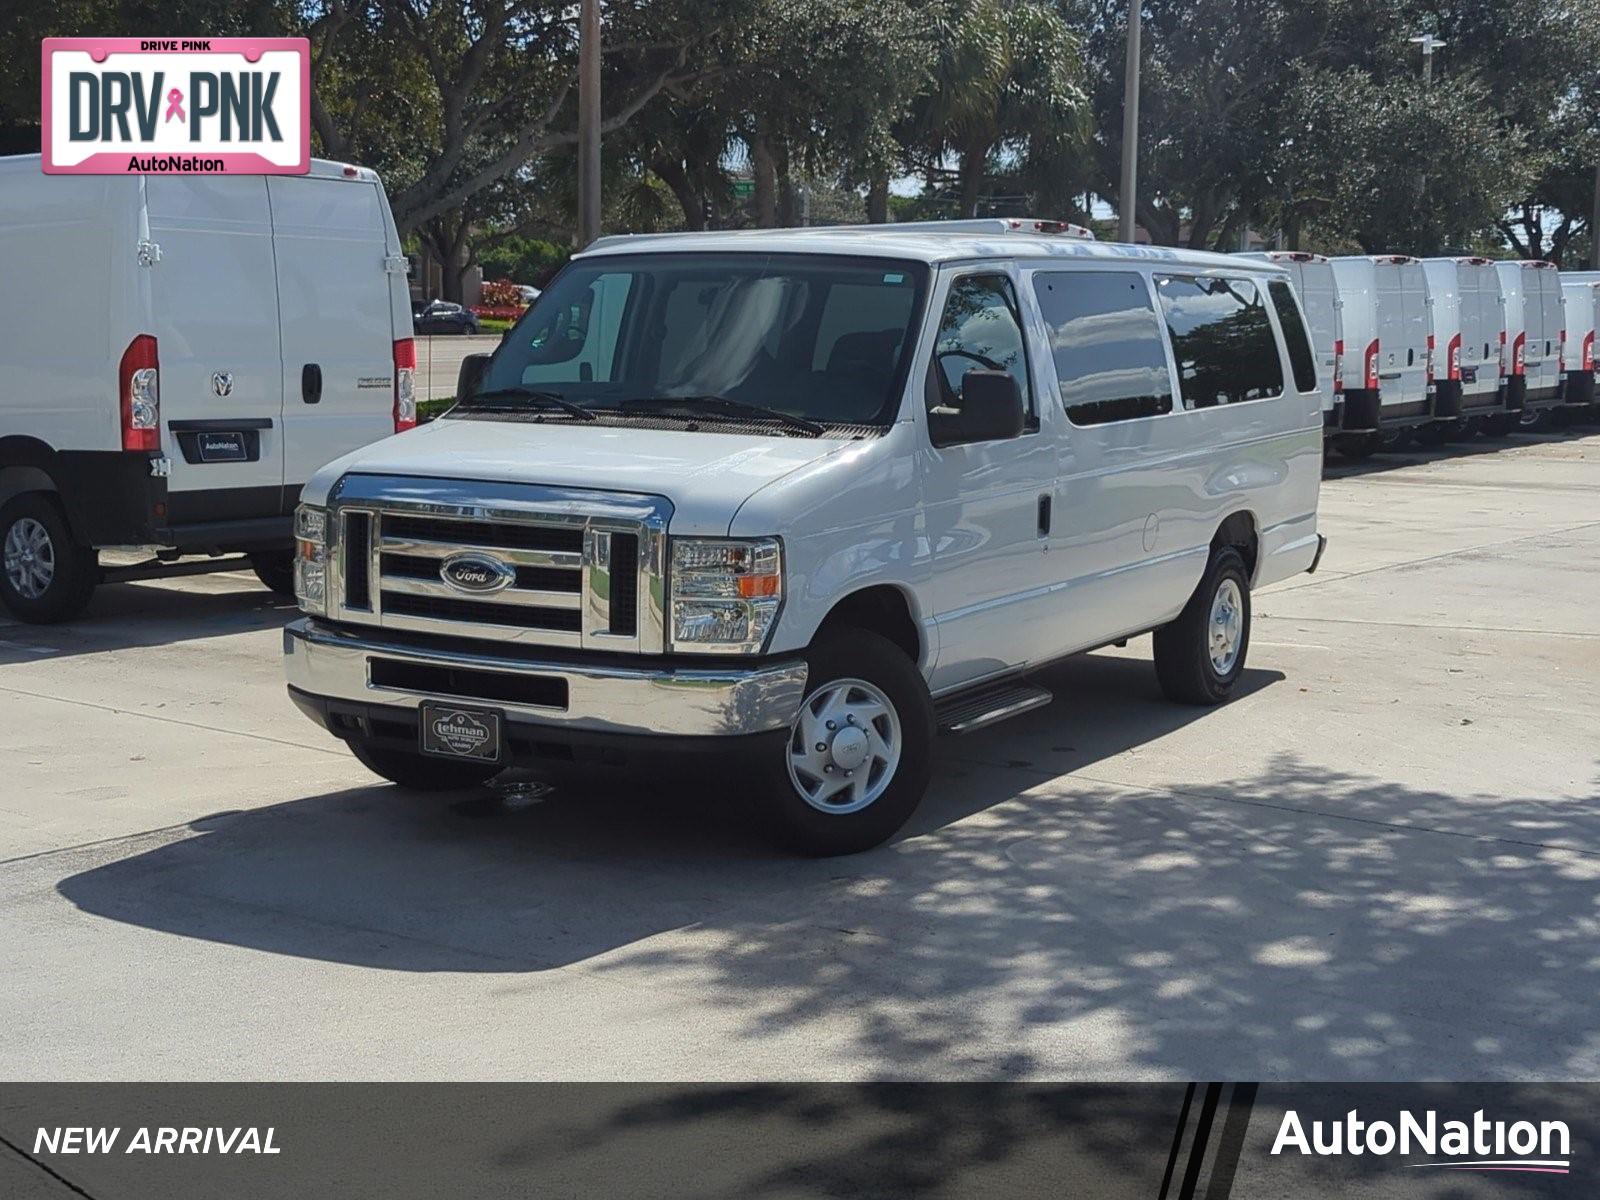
1356	445
1200	656
275	569
420	772
855	764
1496	426
45	576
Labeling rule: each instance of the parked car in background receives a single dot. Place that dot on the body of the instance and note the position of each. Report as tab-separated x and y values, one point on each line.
1580	292
1467	326
1311	276
529	292
1388	365
186	352
870	482
1532	292
443	316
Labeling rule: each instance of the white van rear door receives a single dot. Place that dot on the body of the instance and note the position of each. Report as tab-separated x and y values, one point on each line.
336	318
1320	300
1543	304
214	311
1402	336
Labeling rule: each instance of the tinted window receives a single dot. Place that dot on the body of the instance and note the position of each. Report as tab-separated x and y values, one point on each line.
1222	339
1106	342
981	330
1294	334
818	337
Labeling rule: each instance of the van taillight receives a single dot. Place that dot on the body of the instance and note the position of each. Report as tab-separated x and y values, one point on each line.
1370	372
405	384
1429	358
1588	351
1338	367
1452	358
1502	354
1561	353
139	392
1518	347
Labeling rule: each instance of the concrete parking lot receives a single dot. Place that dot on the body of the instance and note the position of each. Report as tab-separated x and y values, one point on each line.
1381	862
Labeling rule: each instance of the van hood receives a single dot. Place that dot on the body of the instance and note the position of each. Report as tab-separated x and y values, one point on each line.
706	476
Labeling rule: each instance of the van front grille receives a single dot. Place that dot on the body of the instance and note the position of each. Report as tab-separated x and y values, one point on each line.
508	563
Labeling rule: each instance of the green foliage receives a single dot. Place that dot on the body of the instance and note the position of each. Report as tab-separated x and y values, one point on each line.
522	260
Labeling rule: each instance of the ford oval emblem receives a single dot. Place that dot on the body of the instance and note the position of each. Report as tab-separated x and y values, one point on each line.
476	574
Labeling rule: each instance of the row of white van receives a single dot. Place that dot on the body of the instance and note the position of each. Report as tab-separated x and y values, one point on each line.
1436	343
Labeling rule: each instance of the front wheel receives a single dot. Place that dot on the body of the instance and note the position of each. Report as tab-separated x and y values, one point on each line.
855	764
1200	656
421	773
45	576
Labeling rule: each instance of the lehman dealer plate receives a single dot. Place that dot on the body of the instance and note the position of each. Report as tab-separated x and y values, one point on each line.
451	731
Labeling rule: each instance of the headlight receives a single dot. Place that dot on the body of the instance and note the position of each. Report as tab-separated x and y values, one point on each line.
311	558
725	593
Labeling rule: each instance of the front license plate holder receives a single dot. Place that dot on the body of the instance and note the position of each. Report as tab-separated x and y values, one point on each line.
460	731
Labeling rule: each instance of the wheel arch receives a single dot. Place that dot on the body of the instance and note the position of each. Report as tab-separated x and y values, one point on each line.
884	609
27	465
1242	531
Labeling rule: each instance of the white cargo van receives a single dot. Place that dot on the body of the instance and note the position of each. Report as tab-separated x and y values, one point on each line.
796	499
1311	275
1466	324
1580	296
1388	361
180	354
1532	292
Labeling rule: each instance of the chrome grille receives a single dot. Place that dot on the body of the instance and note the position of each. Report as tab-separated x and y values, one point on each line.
577	569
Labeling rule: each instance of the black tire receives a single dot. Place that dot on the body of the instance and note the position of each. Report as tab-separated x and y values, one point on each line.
859	655
1537	421
73	569
1497	425
1436	434
1183	648
275	569
1356	446
1391	441
419	772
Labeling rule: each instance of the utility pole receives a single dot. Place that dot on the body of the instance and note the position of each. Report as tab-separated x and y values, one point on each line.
1594	225
1130	129
1429	44
588	122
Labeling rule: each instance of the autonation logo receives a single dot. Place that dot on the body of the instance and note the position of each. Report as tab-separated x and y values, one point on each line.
1476	1145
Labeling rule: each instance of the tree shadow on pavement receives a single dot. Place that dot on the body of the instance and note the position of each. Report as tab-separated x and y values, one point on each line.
1037	919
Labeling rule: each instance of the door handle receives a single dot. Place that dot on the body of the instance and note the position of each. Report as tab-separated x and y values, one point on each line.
1044	515
311	383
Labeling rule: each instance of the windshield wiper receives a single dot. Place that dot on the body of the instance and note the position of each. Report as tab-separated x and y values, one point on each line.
726	405
539	395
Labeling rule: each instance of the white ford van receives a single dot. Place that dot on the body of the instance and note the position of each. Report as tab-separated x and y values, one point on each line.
1311	276
180	354
1581	305
1386	350
1466	326
1534	336
809	496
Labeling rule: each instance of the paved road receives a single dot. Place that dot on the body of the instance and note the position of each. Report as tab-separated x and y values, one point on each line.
439	361
1383	861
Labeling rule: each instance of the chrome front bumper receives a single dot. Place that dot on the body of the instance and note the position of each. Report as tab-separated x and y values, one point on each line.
336	664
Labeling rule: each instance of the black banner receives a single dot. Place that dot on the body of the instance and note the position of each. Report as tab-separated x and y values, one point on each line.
802	1141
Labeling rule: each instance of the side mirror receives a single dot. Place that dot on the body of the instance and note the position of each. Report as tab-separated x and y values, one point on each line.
991	411
470	375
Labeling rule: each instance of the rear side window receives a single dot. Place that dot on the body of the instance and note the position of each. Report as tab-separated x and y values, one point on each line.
1222	339
1106	342
1294	334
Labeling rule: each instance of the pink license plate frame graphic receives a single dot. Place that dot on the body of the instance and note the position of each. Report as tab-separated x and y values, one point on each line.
243	52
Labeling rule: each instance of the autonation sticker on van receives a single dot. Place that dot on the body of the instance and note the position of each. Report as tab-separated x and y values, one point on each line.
178	106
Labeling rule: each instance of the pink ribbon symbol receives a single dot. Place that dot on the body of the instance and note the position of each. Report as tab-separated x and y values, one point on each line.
174	106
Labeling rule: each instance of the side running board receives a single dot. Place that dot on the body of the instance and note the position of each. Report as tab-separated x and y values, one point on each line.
967	711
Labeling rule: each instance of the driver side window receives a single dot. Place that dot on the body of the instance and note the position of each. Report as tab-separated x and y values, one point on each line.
981	330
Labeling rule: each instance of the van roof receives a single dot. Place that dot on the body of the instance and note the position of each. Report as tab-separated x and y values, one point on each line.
321	168
920	244
1299	256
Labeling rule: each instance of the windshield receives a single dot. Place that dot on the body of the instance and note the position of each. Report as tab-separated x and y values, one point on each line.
737	337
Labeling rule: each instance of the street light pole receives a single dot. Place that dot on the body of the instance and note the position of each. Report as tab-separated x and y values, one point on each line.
1130	129
588	122
1429	44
